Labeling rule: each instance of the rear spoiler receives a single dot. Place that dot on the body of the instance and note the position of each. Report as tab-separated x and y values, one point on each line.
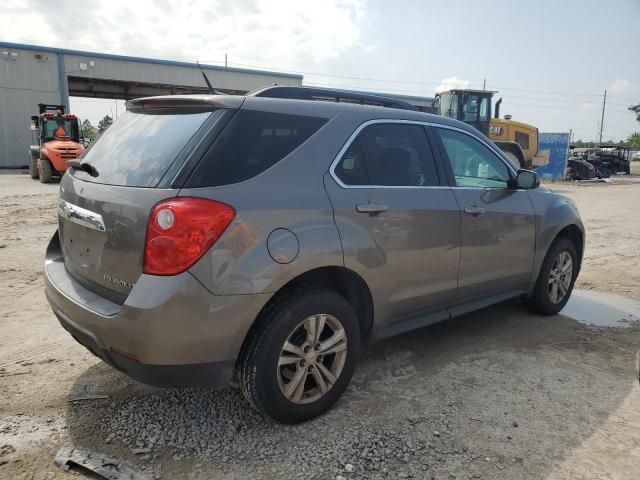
206	102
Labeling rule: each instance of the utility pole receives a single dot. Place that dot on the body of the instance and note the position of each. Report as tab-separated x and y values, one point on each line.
484	84
604	103
570	136
225	60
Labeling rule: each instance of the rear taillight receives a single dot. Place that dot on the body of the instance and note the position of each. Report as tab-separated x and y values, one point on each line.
180	231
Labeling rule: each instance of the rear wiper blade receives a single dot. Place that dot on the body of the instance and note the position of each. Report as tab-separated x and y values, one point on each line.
84	166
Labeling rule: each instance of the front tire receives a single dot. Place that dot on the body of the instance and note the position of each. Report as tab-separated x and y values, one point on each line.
300	358
45	170
33	167
556	278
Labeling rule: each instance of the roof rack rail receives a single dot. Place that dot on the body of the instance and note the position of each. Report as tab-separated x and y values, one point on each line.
331	95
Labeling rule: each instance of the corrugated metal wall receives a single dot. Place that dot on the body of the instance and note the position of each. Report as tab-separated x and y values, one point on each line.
24	82
558	143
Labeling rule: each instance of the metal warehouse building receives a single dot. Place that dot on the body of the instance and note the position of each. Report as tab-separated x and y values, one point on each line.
30	75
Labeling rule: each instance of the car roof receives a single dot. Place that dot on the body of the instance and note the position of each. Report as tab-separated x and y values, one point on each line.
316	108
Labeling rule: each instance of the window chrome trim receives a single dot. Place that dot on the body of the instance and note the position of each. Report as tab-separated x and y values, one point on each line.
80	215
364	125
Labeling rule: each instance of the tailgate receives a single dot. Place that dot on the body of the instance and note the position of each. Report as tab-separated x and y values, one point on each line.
102	233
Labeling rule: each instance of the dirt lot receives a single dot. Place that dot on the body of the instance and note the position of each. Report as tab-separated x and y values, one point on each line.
499	393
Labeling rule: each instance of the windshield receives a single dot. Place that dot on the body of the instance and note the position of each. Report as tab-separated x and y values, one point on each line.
449	105
60	129
139	148
470	108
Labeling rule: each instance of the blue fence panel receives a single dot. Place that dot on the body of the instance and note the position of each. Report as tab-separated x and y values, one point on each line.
558	143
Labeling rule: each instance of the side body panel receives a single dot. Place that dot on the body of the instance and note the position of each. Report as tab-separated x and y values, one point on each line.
290	195
497	246
553	213
408	255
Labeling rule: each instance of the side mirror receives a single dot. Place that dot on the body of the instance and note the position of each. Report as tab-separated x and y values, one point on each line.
34	123
527	179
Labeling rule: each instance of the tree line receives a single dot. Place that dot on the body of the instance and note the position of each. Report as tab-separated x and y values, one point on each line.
89	132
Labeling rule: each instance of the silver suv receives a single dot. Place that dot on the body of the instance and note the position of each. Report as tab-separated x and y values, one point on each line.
265	238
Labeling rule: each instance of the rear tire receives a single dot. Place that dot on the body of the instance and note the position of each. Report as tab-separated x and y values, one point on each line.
33	167
551	279
45	171
273	355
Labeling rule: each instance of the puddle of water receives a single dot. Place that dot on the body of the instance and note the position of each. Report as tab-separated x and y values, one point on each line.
601	309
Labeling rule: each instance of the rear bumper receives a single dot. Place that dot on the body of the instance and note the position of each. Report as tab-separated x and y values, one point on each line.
172	331
214	374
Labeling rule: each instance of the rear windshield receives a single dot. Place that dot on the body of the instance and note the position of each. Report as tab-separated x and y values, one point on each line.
251	143
139	148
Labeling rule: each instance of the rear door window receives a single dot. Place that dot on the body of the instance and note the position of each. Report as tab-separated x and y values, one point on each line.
139	148
389	154
251	143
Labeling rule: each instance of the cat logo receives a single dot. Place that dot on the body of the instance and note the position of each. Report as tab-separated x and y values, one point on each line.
495	129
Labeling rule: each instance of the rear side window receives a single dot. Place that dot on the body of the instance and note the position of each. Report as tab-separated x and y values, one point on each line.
139	148
251	143
392	154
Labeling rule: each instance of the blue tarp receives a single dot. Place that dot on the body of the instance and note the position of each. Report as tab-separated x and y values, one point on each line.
558	143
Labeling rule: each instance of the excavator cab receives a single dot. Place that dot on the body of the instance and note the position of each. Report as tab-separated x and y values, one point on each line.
519	141
469	106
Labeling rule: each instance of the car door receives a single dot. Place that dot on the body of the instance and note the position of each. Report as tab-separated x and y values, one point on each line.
497	222
399	226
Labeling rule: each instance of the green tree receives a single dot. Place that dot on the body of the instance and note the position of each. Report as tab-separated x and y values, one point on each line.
104	123
636	110
634	140
89	132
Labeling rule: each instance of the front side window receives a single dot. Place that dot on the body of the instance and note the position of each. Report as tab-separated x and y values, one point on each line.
473	164
390	154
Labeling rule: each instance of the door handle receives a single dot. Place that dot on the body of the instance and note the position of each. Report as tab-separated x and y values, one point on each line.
474	210
371	208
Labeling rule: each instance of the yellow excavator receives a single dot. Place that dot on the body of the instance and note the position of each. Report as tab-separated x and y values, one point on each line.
518	140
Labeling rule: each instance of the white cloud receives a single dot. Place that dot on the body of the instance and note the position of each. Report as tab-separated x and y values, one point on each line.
451	82
621	86
258	31
587	106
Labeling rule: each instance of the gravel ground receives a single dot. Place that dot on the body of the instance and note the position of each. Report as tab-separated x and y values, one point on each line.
499	393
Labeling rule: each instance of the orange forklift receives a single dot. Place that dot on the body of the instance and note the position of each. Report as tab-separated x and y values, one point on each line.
58	141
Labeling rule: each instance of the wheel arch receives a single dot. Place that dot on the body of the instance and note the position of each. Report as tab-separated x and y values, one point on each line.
570	231
342	280
573	233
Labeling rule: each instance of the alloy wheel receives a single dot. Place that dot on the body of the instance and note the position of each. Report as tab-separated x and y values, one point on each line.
560	277
312	358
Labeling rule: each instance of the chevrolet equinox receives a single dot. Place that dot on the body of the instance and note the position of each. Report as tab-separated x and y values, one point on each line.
260	240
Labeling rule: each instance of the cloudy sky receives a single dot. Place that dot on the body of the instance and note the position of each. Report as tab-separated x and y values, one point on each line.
551	60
